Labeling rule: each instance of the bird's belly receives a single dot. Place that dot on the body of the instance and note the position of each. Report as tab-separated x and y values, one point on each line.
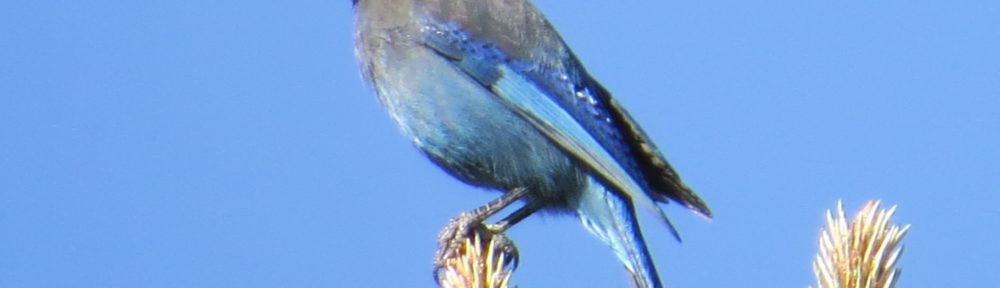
466	130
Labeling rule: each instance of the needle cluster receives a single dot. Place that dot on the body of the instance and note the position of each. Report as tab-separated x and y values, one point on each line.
860	254
484	260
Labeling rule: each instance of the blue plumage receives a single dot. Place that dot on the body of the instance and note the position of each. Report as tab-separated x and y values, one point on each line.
489	91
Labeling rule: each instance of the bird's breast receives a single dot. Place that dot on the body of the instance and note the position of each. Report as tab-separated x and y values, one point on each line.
466	129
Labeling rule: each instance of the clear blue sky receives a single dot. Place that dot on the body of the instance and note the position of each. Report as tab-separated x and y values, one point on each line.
233	143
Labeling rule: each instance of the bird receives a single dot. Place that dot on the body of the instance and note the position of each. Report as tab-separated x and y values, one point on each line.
490	92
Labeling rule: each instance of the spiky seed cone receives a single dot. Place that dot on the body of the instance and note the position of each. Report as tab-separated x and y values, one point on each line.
863	254
484	260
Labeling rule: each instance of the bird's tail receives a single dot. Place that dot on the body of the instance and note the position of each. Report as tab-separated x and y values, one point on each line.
612	219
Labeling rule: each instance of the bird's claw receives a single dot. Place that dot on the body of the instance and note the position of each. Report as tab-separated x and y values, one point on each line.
458	229
467	234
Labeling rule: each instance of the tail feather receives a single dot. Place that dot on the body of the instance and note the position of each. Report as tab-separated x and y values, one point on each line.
612	219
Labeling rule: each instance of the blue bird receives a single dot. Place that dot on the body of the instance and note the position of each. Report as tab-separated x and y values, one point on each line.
488	90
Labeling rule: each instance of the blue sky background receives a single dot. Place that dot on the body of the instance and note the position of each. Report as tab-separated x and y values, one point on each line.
234	144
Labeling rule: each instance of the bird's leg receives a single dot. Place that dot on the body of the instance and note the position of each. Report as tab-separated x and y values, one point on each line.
461	227
514	218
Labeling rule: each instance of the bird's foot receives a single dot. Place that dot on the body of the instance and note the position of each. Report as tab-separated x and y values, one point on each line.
463	227
469	249
460	228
